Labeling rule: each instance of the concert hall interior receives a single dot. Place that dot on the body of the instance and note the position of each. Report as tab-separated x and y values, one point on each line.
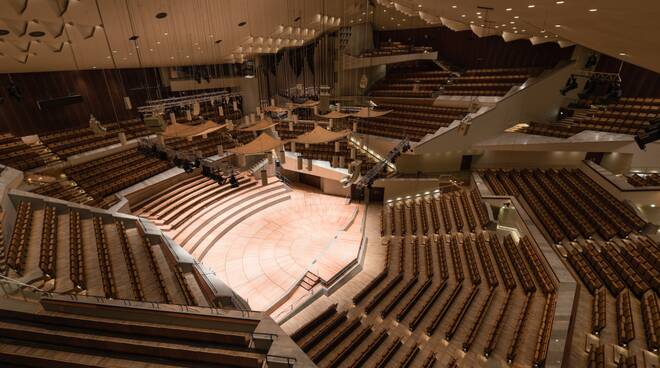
330	183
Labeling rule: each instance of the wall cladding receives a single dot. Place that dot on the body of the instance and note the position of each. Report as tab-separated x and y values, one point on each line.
100	89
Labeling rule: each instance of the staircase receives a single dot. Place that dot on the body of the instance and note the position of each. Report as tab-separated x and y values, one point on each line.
309	281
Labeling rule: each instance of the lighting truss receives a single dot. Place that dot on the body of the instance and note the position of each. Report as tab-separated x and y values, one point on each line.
365	180
159	106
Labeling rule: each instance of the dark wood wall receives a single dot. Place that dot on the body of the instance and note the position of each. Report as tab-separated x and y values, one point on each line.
635	81
465	49
100	89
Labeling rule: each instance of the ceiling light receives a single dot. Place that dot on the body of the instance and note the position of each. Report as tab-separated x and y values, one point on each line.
453	7
364	13
515	31
171	57
419	6
398	25
157	42
623	54
557	25
107	57
531	6
151	50
114	51
93	67
508	9
543	31
187	56
593	10
478	13
463	15
512	22
559	2
480	17
516	17
165	34
360	20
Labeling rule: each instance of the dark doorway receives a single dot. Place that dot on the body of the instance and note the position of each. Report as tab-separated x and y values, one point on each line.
466	162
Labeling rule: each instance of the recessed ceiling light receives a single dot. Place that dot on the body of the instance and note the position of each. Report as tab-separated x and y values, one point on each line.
480	17
157	42
516	17
463	15
623	54
478	13
114	51
512	22
165	34
419	6
559	2
93	67
515	31
543	31
171	57
508	9
557	25
398	25
360	20
454	6
152	50
593	10
531	5
187	56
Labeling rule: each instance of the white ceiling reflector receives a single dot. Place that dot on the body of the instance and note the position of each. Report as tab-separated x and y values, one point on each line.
454	25
430	19
537	40
510	36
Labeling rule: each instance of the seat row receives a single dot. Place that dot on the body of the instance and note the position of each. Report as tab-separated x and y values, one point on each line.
536	264
76	257
20	237
599	311
103	253
624	319
523	273
648	180
586	273
131	266
651	318
48	248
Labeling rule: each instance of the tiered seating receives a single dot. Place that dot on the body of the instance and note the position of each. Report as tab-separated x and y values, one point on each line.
456	259
523	273
497	328
183	284
472	222
596	357
434	216
378	279
76	260
395	48
488	82
445	214
512	352
20	238
15	153
113	173
408	119
486	262
365	354
647	180
636	260
410	208
651	318
482	212
603	268
425	220
541	347
456	212
107	277
587	274
629	115
352	345
501	262
48	247
540	272
65	190
134	277
624	320
568	203
599	311
153	265
74	141
305	329
93	332
629	276
473	269
389	352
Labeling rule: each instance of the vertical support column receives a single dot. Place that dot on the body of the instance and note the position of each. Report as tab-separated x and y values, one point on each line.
342	161
221	150
335	160
355	126
290	126
264	177
300	163
161	139
188	115
330	125
293	146
269	155
337	146
172	118
221	111
353	153
122	138
282	154
309	164
242	161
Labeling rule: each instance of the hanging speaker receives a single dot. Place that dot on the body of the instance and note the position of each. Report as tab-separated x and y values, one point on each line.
127	103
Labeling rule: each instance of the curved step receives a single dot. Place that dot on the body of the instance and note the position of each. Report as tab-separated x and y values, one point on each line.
197	209
202	199
217	218
221	231
171	200
157	198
